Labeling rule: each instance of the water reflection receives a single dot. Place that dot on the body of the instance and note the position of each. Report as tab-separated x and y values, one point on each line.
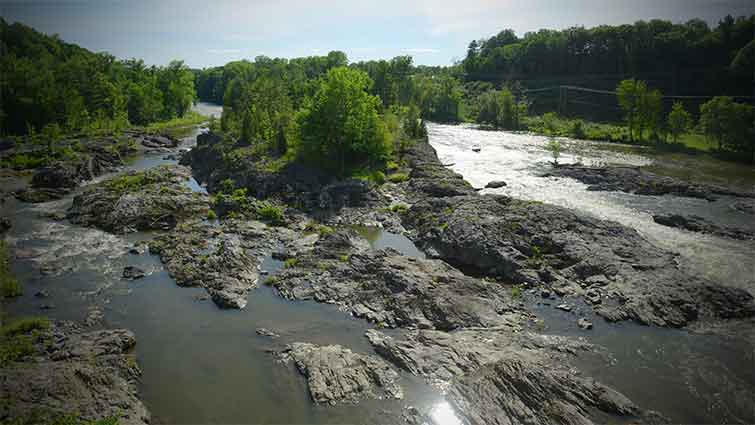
443	414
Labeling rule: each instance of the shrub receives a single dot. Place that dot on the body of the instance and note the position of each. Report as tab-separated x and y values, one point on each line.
271	213
291	262
14	348
554	147
398	177
577	129
211	215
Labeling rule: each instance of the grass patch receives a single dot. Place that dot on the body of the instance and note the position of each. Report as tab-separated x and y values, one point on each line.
177	127
25	161
516	291
291	262
24	326
14	348
10	287
318	228
211	215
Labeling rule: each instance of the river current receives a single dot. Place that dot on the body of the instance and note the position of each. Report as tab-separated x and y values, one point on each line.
202	364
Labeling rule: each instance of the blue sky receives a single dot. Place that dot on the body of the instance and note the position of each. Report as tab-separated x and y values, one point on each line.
435	32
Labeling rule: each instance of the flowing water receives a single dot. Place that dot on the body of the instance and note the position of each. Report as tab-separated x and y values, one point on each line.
690	378
206	365
201	364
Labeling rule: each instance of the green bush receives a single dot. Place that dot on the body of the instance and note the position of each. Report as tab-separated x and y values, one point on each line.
14	348
270	213
318	228
9	286
211	215
577	129
291	262
398	177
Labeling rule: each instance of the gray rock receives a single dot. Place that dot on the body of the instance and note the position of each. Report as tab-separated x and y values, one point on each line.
533	243
564	307
267	333
133	273
397	291
637	180
90	374
499	376
154	199
698	224
336	374
495	184
584	323
222	259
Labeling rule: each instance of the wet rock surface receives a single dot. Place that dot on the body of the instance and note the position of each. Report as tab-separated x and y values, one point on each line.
641	182
223	259
615	269
90	374
695	223
391	289
157	198
336	374
503	376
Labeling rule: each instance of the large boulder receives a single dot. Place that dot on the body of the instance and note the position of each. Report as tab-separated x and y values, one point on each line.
336	374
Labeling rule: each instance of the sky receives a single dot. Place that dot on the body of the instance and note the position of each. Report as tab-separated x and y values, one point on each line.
434	32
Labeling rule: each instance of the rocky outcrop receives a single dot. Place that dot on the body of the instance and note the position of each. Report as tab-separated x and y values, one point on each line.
636	180
96	157
617	271
308	187
336	374
158	198
517	390
393	290
90	374
695	223
498	376
224	259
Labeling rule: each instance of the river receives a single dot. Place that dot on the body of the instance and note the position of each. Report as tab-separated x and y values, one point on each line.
202	364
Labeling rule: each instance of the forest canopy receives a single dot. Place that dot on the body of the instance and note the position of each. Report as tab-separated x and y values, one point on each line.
45	81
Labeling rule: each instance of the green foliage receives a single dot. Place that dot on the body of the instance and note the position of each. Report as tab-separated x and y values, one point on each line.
642	107
270	213
679	121
398	208
10	287
340	128
13	348
398	177
48	83
730	124
500	109
516	291
211	215
290	262
577	129
318	228
25	161
654	47
24	326
554	147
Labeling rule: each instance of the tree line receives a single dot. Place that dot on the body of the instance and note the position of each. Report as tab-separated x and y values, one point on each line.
681	58
47	85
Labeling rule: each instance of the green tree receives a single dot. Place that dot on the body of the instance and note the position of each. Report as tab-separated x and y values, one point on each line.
715	119
631	94
679	121
341	124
